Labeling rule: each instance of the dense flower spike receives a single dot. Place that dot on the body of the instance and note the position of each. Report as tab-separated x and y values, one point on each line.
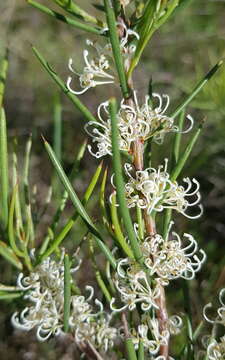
134	122
153	190
45	286
170	258
133	286
96	70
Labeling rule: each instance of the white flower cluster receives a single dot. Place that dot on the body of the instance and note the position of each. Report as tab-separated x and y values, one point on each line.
45	290
216	349
97	69
134	122
151	336
133	286
167	259
171	258
153	190
45	287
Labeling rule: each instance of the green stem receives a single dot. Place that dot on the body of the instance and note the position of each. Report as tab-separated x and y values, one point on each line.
67	292
117	167
114	39
79	105
65	19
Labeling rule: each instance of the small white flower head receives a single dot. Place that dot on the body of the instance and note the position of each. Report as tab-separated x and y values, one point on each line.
156	124
220	318
134	122
153	190
148	332
95	72
101	131
133	287
89	326
172	258
216	350
45	286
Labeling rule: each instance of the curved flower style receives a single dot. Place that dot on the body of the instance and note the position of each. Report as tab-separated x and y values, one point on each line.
133	287
220	319
170	259
45	286
216	350
134	122
89	327
153	190
151	337
95	71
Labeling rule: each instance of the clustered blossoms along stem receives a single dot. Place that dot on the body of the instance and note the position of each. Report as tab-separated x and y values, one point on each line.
153	190
133	286
215	348
44	288
97	69
151	337
134	122
170	259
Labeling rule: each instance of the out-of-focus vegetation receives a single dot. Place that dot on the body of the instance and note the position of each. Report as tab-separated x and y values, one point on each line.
179	55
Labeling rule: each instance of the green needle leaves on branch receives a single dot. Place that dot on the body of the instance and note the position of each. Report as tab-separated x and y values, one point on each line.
79	105
114	39
78	205
119	182
65	19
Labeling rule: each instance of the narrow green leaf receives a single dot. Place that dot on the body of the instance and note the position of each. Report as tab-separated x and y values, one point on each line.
117	229
76	10
4	177
10	296
78	205
119	182
145	29
196	90
177	137
114	39
60	237
8	288
105	216
65	19
9	255
79	105
141	351
15	180
3	73
131	353
30	236
184	157
11	224
67	293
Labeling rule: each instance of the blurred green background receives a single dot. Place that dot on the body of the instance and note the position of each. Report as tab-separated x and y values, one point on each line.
178	56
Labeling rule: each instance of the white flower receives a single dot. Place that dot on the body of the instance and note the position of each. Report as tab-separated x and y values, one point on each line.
153	190
216	350
45	286
45	291
220	319
170	259
149	333
134	122
96	70
133	286
89	326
